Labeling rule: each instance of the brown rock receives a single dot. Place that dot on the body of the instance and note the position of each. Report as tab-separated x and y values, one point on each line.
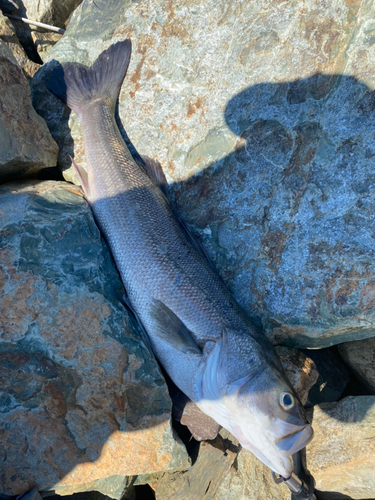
360	356
341	457
201	426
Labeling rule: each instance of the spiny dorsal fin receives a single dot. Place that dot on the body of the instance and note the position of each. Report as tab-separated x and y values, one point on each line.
172	330
155	172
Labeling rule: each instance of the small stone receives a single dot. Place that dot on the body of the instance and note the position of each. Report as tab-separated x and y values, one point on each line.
360	357
341	455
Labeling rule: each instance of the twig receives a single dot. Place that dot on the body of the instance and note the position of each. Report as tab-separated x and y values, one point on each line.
36	23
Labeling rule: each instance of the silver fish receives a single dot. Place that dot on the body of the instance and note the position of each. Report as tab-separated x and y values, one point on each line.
198	332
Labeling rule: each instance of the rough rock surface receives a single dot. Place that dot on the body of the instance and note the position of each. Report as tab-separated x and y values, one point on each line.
262	115
8	35
44	42
83	403
341	455
204	478
360	356
26	145
249	479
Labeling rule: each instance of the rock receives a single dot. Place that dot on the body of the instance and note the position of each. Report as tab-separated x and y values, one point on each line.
250	480
44	42
300	369
83	403
360	356
8	35
262	118
333	377
201	426
203	479
26	146
341	455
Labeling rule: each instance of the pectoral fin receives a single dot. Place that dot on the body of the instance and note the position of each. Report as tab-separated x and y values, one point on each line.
172	330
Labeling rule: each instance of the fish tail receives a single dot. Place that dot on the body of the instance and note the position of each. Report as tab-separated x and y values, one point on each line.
77	85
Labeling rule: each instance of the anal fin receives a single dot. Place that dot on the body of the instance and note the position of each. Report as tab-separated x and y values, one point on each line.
172	330
83	178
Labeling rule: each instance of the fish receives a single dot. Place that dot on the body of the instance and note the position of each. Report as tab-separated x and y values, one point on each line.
197	331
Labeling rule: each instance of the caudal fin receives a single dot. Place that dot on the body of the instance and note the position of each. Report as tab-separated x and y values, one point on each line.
77	85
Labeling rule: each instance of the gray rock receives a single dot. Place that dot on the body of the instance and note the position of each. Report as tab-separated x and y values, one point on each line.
83	405
341	455
26	145
262	118
360	356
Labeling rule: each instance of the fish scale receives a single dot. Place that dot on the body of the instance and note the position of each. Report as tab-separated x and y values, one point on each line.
198	332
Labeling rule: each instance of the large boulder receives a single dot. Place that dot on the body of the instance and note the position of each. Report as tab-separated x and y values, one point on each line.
83	403
26	145
341	455
262	115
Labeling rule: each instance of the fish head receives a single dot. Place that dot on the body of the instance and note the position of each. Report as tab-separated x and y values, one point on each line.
268	419
247	392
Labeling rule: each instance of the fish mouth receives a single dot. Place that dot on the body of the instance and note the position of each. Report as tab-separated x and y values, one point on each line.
295	442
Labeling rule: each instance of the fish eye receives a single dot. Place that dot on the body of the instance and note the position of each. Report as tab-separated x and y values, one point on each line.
286	400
